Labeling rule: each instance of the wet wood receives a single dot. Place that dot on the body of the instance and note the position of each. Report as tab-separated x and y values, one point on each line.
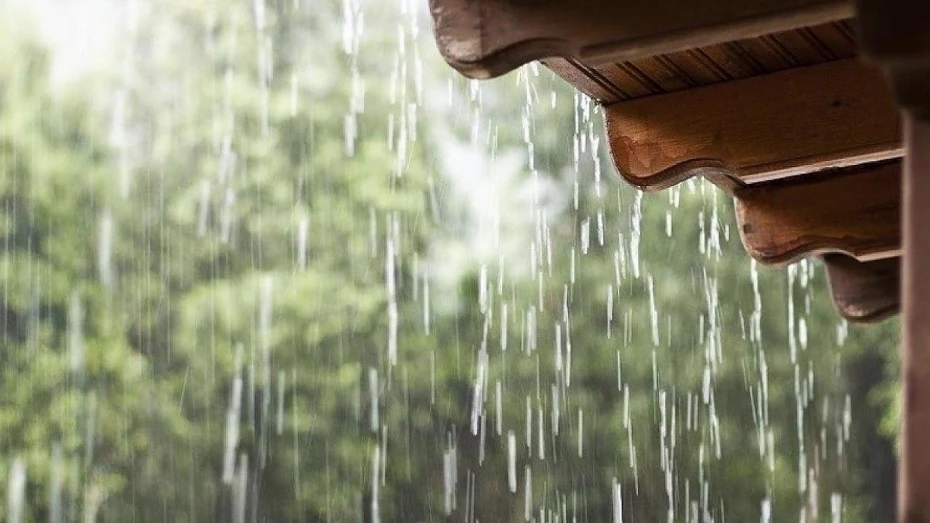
854	211
914	471
783	124
485	38
864	292
647	76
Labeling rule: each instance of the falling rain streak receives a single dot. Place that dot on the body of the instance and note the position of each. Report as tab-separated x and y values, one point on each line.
308	271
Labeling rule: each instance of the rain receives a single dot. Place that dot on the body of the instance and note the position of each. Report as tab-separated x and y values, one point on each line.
276	261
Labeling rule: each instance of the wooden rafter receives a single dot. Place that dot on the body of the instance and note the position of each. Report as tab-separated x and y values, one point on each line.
864	292
762	128
856	212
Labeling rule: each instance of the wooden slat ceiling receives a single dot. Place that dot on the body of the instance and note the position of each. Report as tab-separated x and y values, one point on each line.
725	62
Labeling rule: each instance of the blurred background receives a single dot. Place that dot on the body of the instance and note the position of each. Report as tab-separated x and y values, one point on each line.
273	260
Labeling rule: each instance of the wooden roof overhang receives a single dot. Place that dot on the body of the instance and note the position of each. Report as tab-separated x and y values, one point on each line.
765	98
825	154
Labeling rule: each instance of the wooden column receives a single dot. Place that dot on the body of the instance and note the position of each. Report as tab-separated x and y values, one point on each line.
895	34
914	467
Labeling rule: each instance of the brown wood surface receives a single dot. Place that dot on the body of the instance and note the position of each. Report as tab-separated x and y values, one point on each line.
896	35
864	291
854	211
485	38
647	76
914	471
763	128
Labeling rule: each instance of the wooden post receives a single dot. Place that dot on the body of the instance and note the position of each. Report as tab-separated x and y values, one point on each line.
914	466
894	34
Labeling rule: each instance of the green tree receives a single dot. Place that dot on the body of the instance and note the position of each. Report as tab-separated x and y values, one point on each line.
239	279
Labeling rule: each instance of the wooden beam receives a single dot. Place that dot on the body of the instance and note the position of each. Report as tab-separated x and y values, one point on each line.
864	292
855	211
485	38
783	124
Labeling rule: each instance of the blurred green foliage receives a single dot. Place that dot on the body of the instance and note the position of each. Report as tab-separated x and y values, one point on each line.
144	276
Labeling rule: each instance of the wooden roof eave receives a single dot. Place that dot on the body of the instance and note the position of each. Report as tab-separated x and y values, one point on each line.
779	121
487	38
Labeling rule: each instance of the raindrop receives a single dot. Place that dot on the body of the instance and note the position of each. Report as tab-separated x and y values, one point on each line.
512	461
373	398
16	491
76	334
303	229
527	493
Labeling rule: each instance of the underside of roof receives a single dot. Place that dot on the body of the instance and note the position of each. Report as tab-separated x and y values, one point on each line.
767	99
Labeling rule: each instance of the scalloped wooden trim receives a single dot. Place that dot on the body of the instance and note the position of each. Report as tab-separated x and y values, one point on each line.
782	124
864	292
509	58
714	170
486	38
854	211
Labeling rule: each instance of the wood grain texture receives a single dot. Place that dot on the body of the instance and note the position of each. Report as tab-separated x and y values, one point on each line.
914	472
725	62
763	128
856	211
864	292
486	38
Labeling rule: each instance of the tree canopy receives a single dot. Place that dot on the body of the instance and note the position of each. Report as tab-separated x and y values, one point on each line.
279	264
